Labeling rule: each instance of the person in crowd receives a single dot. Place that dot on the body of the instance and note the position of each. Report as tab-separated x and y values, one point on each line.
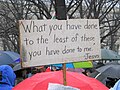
116	86
87	71
54	68
110	82
7	77
24	73
48	69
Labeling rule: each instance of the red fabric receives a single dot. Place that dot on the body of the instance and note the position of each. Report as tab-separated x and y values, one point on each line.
40	81
48	70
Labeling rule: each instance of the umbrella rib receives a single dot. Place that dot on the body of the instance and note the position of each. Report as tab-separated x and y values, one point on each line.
97	75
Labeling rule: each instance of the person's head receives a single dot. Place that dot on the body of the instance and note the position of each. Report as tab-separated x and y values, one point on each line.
7	75
54	68
88	71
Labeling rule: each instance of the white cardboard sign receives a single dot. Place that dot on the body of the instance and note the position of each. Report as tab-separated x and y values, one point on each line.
46	42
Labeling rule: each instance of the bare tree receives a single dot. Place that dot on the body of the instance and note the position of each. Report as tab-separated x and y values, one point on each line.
10	12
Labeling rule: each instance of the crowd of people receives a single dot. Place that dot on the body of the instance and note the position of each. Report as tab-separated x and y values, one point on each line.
9	78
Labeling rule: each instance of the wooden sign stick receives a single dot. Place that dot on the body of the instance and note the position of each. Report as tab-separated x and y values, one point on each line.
64	74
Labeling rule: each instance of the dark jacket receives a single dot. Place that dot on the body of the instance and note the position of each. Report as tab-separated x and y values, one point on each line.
7	77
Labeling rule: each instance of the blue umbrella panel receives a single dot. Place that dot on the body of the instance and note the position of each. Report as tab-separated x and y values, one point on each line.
9	57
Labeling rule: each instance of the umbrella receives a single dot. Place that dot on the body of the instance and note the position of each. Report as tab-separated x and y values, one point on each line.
82	64
109	54
9	57
96	73
17	67
102	74
111	70
112	63
40	81
79	70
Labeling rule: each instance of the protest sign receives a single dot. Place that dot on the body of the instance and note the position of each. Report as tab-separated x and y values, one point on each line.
44	42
